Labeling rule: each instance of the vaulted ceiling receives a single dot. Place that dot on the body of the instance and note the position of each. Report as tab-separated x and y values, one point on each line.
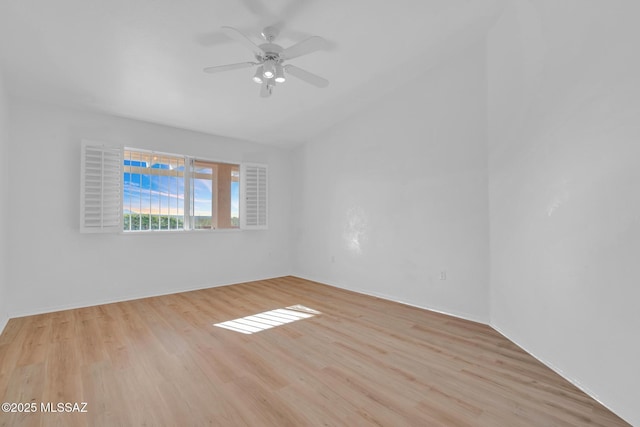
143	59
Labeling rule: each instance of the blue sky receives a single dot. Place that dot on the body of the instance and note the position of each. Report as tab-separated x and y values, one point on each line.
164	195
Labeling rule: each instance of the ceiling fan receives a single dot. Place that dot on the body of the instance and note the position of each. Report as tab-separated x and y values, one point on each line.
270	59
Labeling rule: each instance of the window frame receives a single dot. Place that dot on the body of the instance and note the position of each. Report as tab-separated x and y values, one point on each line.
186	209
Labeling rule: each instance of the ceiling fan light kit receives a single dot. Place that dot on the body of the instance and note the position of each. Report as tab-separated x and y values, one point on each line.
259	76
269	69
270	57
280	78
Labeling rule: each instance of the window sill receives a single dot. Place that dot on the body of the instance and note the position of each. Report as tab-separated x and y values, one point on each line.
198	231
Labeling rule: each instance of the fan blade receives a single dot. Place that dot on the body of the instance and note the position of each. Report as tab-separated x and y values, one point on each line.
293	9
238	36
228	67
304	47
256	7
306	76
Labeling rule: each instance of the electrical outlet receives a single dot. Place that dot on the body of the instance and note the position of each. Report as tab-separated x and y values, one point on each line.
443	275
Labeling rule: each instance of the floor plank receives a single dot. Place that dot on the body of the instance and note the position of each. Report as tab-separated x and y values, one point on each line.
363	361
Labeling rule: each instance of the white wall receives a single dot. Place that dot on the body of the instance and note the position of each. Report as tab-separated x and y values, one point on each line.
54	266
4	189
564	108
397	193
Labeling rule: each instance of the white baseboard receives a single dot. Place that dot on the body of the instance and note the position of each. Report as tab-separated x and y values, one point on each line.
558	371
130	297
464	316
4	319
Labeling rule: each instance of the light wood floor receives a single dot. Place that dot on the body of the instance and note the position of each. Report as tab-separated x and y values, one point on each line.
363	361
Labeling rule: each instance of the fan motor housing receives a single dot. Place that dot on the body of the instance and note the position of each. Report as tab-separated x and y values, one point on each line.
272	50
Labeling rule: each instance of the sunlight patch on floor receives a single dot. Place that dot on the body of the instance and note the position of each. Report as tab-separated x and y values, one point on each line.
268	319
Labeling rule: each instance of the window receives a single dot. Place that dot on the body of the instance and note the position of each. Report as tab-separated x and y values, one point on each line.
135	190
215	195
153	191
155	196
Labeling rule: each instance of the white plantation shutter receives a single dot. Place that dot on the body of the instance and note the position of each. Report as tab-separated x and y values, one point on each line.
100	188
253	199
